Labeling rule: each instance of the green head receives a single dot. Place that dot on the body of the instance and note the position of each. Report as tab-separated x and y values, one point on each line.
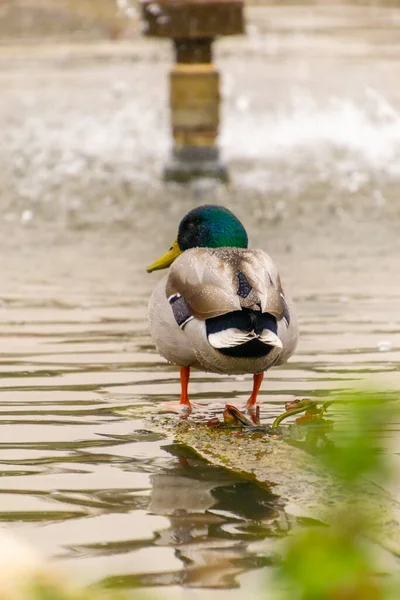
207	226
211	226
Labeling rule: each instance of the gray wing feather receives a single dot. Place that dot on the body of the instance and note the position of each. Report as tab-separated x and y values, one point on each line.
208	280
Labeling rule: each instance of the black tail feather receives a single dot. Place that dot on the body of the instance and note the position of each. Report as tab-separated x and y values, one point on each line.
246	320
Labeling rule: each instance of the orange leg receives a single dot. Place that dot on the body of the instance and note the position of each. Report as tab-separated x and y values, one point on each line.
257	381
185	374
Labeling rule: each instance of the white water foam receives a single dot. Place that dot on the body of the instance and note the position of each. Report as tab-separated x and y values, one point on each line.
363	136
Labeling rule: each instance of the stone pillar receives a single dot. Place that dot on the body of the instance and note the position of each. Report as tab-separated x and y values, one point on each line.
194	80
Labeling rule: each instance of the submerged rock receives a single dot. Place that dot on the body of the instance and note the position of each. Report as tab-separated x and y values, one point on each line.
295	475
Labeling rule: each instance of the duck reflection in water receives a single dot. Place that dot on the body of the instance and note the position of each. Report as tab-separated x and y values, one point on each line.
214	516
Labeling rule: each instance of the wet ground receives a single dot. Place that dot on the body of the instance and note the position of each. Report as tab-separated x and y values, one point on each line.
311	132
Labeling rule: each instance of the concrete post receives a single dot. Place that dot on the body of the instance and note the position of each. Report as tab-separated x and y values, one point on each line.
194	80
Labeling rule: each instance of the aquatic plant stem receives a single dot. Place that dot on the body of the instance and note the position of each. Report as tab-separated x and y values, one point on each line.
301	407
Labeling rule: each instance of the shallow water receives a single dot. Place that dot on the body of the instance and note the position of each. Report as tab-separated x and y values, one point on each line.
83	213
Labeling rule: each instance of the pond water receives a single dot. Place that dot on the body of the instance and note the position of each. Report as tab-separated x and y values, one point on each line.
313	140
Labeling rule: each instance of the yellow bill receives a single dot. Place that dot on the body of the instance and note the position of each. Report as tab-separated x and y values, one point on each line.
167	259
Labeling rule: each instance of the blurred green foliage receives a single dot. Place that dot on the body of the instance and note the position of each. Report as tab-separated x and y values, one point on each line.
355	451
336	562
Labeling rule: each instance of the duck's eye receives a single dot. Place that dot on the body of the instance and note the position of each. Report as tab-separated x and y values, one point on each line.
170	249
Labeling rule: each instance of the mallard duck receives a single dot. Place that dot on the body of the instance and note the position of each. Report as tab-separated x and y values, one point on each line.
221	307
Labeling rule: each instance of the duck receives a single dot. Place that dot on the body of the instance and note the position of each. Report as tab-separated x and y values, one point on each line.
221	307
